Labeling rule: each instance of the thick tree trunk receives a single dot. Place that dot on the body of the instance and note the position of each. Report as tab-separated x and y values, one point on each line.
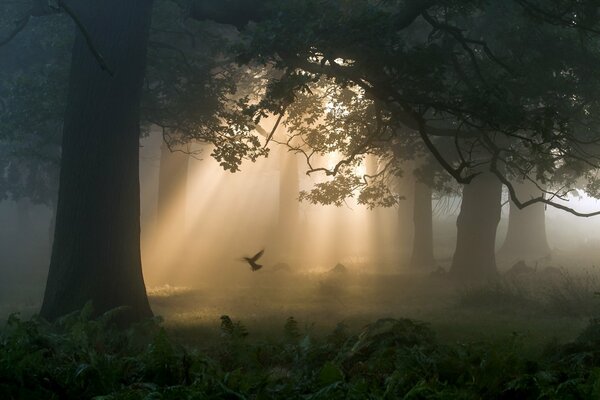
474	257
422	250
96	250
526	236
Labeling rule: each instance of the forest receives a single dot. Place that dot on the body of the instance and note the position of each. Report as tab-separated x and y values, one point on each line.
299	199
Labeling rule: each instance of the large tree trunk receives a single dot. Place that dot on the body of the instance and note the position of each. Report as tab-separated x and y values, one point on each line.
526	236
96	250
422	250
474	257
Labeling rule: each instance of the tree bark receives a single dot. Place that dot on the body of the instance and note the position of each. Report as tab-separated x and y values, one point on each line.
422	250
474	257
526	234
96	250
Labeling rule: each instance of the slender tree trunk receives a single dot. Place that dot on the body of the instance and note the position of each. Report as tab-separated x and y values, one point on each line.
376	223
474	257
24	218
422	250
289	206
526	235
406	231
172	183
96	250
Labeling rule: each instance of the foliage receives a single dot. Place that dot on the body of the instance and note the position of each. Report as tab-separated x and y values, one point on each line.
187	93
505	86
192	89
33	76
78	357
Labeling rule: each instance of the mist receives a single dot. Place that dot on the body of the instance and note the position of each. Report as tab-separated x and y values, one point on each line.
308	199
322	264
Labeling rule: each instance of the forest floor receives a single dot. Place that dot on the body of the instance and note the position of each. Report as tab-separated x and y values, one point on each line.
539	306
542	306
530	334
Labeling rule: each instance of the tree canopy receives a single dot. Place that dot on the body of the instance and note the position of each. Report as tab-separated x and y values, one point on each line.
501	86
508	87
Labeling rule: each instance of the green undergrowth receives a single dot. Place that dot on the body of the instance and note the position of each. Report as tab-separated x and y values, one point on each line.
78	357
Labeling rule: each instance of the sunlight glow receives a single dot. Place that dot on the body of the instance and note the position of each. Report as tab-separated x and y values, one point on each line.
228	216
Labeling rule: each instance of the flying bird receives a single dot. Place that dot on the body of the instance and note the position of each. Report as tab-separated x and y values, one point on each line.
252	260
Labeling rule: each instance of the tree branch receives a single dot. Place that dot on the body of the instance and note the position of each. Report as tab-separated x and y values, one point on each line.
88	39
540	199
552	18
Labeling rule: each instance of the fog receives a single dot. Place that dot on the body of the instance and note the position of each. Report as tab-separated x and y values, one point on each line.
192	250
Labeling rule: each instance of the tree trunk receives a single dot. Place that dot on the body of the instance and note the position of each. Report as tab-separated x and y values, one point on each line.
172	183
24	225
422	250
406	232
375	223
289	206
474	257
526	235
96	250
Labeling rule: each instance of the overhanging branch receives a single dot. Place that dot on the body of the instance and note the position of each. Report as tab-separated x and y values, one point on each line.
540	199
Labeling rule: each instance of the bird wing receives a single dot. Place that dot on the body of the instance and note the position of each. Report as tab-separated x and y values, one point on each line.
256	267
257	255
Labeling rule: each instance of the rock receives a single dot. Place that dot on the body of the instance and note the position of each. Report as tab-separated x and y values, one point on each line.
339	269
281	267
520	267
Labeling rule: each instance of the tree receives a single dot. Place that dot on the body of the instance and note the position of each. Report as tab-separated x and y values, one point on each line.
444	83
96	250
474	257
526	235
96	253
519	100
422	251
289	214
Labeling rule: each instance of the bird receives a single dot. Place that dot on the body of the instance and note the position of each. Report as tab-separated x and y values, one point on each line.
252	260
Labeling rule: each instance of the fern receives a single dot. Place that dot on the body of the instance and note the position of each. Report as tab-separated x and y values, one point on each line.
232	330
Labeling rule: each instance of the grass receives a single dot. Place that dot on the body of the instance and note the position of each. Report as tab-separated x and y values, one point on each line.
523	305
352	336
